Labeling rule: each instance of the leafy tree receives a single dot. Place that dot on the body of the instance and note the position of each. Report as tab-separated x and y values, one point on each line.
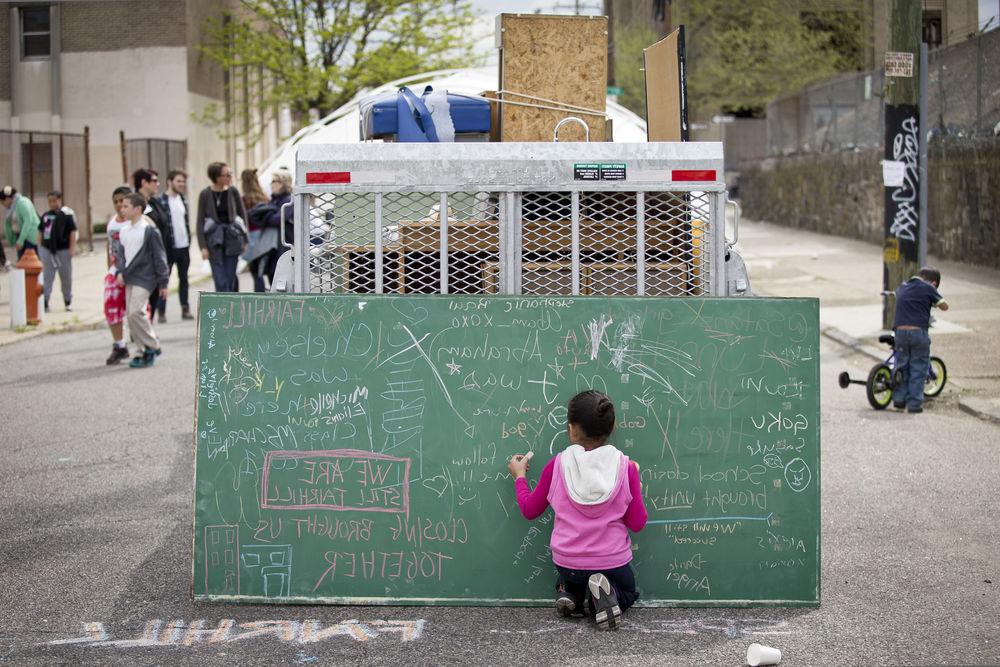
629	41
741	55
317	54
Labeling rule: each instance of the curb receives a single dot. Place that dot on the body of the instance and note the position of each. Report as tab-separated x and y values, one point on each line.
971	405
980	408
81	325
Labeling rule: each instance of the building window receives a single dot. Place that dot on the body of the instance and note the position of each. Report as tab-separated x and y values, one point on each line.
932	29
35	32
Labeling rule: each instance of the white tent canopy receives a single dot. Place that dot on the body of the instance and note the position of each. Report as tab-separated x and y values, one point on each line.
342	126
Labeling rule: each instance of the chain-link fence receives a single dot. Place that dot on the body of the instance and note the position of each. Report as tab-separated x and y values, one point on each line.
845	112
37	163
161	155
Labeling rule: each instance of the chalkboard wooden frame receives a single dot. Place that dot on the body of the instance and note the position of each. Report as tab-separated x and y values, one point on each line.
704	342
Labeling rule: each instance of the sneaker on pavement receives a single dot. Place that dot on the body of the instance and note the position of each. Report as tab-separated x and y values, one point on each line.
145	359
914	411
186	314
46	305
69	307
118	354
899	406
162	319
607	613
565	604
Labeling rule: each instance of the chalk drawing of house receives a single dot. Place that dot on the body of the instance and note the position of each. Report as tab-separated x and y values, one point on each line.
222	554
266	569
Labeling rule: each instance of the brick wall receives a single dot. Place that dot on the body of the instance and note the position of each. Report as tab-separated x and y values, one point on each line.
112	25
841	194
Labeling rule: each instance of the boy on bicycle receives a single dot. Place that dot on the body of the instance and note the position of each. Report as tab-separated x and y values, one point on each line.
914	300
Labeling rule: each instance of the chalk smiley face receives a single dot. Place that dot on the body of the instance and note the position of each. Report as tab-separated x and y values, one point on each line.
797	475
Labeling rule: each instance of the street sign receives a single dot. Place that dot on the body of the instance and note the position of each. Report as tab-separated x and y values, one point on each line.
614	90
899	63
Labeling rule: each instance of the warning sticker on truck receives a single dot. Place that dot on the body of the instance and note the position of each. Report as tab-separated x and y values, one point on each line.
599	171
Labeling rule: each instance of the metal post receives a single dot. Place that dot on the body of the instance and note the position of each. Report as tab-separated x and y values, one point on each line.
86	176
62	168
575	241
379	286
640	243
301	250
31	167
121	145
443	228
922	160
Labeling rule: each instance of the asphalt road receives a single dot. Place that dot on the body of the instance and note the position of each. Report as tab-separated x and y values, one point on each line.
96	515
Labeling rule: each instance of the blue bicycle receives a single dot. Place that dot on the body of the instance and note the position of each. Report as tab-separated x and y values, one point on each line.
884	376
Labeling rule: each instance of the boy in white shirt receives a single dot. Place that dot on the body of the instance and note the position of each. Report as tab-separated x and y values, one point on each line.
142	267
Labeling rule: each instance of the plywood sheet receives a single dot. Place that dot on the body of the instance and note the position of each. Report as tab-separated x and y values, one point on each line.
664	89
560	58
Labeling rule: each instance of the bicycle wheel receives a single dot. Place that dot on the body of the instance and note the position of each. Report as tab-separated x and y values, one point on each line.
879	387
937	375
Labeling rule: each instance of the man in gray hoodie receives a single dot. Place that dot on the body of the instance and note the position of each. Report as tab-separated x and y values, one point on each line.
142	268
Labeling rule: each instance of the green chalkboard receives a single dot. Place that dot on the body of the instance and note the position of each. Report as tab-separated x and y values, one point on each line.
353	449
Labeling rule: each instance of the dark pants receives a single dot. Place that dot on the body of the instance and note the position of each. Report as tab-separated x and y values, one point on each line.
224	271
24	248
263	266
622	583
181	257
913	360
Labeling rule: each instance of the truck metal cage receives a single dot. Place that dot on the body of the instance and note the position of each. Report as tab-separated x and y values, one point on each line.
514	218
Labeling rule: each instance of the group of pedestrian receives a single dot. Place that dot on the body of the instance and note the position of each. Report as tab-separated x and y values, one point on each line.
149	235
145	246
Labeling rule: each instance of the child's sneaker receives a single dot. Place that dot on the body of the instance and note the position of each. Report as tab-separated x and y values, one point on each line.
565	604
607	613
145	359
118	354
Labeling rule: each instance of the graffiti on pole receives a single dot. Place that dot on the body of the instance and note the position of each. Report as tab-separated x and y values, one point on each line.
902	202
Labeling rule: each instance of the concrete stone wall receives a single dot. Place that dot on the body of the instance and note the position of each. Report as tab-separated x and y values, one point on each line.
842	194
4	51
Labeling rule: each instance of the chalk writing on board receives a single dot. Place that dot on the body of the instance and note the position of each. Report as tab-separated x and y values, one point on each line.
355	450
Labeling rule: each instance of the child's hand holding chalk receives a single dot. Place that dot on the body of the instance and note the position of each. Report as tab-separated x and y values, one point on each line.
518	464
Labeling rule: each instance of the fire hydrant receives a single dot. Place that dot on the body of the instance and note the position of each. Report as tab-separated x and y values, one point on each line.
32	287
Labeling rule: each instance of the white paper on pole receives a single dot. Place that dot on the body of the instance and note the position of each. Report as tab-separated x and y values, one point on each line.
893	172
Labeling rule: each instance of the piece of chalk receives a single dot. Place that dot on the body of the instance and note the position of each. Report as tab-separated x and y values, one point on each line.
529	455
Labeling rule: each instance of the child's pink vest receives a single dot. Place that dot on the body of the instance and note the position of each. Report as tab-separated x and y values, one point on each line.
590	537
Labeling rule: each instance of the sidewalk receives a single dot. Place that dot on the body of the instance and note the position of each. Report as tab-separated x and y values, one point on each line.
88	296
846	275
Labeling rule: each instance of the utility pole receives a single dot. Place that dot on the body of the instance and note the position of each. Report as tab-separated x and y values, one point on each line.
902	140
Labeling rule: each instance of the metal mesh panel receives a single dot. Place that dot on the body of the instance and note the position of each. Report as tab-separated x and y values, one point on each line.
546	243
342	242
473	242
677	244
608	243
343	249
556	235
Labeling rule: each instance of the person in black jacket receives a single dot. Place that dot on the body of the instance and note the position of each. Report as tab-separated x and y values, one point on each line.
147	184
221	226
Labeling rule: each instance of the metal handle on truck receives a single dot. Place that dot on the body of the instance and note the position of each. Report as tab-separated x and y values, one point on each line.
570	119
736	222
282	225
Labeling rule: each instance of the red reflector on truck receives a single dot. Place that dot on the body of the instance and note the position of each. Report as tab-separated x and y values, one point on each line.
327	177
693	175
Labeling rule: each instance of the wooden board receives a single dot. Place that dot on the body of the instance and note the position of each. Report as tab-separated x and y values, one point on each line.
353	448
561	58
665	113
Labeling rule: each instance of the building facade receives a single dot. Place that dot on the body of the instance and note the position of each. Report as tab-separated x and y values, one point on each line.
122	68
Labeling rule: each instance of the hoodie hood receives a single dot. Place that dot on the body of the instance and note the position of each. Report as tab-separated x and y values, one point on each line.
591	477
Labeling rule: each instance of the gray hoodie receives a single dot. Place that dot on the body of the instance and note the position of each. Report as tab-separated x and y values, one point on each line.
149	268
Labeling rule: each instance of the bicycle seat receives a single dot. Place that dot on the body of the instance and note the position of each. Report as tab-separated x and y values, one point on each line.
888	339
